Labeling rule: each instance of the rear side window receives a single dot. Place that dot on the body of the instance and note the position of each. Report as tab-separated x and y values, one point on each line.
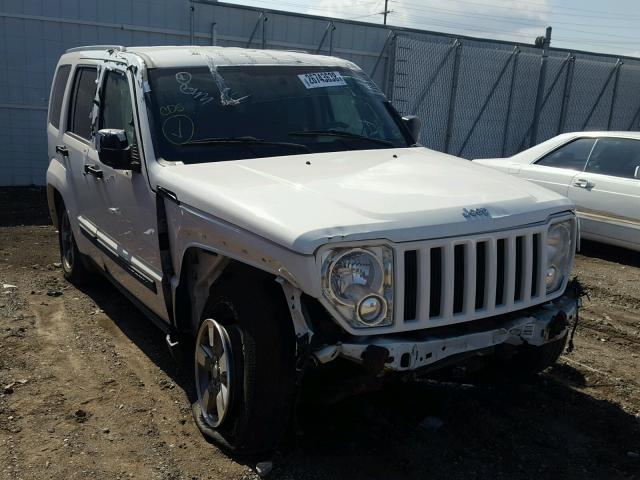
84	91
57	94
618	157
572	156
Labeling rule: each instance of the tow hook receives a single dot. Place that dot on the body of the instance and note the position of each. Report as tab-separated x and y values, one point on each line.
374	358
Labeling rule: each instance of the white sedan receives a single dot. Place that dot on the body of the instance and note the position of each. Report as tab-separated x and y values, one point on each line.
599	171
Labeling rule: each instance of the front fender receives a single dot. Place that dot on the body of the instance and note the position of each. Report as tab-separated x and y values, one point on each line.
190	228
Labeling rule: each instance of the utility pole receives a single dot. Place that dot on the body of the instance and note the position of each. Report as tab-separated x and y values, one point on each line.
386	11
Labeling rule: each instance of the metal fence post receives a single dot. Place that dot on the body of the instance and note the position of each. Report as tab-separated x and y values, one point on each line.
452	96
634	119
566	95
214	34
333	27
327	31
494	87
192	9
507	119
380	55
541	84
602	90
390	66
613	95
262	18
546	97
264	33
429	83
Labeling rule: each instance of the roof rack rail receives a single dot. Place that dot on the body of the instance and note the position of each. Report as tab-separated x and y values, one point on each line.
97	47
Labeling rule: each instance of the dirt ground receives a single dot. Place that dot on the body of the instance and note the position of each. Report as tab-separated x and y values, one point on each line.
88	389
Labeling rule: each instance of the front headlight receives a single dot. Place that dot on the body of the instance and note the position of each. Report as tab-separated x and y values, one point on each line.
559	246
358	281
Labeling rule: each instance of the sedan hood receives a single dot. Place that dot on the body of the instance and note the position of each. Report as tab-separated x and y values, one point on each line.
304	201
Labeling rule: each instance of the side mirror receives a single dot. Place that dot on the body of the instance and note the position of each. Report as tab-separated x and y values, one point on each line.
414	124
636	173
113	148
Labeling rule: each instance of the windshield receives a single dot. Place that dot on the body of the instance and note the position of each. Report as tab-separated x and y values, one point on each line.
202	114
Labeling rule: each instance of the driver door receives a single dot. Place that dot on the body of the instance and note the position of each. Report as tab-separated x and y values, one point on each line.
126	221
607	193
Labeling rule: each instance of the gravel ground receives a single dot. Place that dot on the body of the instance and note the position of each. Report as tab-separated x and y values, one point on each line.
88	389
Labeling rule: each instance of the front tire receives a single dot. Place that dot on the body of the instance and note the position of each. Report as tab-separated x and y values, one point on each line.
245	350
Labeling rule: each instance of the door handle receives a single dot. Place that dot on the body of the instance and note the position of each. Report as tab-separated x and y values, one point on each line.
582	183
62	150
93	170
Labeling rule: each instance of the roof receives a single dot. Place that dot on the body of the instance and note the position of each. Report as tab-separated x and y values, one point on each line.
603	133
183	56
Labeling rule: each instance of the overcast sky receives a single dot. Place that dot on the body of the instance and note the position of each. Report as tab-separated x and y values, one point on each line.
608	26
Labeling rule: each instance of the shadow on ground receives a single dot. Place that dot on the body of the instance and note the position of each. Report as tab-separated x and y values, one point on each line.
24	206
610	253
141	331
543	427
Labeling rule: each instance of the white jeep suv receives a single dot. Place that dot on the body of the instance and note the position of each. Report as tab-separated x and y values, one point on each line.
272	210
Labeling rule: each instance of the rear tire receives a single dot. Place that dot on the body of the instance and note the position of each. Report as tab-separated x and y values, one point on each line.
74	263
261	346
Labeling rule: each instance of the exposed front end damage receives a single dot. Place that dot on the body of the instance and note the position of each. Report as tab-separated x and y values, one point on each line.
534	327
430	349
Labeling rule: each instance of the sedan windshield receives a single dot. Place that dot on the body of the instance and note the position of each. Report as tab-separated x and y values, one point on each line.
202	114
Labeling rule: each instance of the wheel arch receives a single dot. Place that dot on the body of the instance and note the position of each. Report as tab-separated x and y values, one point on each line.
55	203
202	270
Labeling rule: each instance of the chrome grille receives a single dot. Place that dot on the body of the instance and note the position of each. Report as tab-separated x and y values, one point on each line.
456	280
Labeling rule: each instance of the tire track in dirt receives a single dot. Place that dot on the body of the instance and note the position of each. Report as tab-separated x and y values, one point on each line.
95	405
90	350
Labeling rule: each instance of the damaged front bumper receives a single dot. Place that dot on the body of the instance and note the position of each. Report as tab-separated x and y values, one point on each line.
535	326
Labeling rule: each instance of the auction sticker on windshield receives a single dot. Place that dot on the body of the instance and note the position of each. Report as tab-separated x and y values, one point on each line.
322	79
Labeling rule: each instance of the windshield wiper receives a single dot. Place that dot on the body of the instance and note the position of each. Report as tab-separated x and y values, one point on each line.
246	141
341	134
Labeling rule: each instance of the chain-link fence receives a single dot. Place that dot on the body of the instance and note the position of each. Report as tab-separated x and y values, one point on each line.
480	98
476	98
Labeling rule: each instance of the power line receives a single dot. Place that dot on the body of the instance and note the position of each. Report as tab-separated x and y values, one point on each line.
600	14
538	24
308	7
511	19
609	39
479	30
453	27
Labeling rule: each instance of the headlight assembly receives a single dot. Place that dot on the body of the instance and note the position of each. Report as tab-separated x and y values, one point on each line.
358	281
559	251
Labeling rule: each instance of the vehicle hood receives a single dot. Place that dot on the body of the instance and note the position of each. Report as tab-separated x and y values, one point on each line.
304	201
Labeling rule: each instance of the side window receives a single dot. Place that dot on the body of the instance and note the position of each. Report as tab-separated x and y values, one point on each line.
84	91
116	109
572	156
615	156
57	94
